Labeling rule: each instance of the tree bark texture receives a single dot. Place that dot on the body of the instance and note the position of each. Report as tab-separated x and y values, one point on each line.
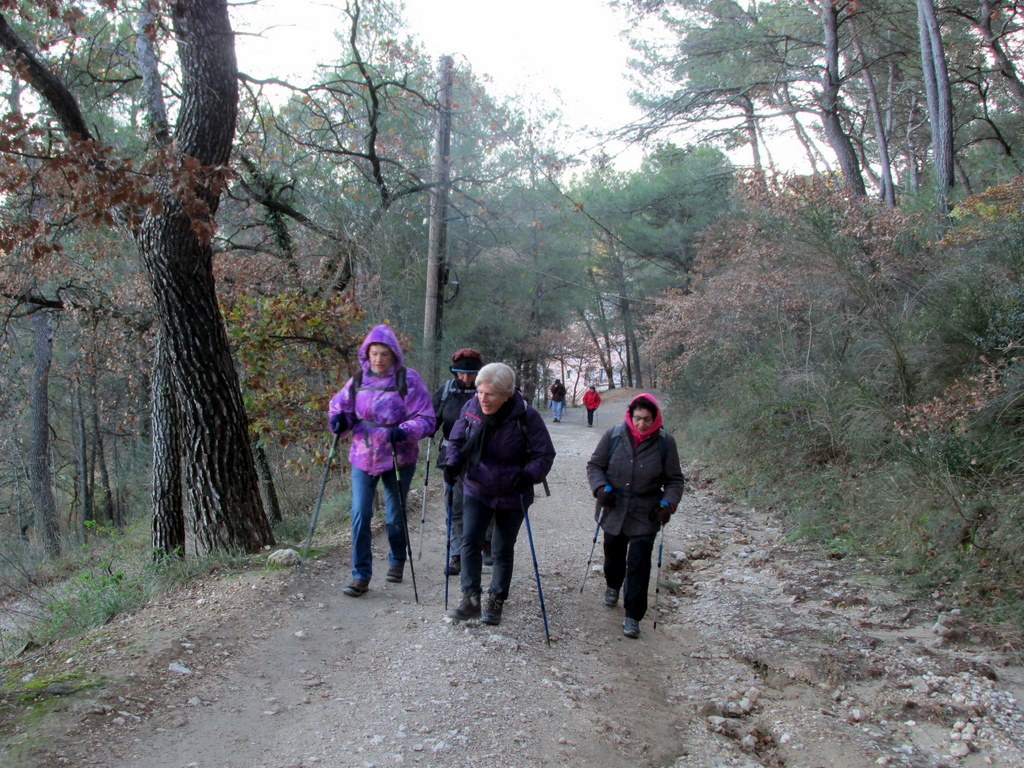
940	100
168	501
829	101
40	469
270	500
222	489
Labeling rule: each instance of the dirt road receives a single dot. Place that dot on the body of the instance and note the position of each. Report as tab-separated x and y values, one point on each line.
764	654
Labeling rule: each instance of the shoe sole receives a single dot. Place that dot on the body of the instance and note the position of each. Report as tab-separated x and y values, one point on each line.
355	591
490	620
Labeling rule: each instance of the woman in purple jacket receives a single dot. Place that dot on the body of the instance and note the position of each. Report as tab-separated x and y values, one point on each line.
387	408
504	448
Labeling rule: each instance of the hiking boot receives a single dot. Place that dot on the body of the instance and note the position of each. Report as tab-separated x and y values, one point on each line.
469	608
394	574
611	596
630	627
454	566
488	558
356	588
492	611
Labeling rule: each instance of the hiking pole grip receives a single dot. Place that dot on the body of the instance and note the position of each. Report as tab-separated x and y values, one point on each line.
320	495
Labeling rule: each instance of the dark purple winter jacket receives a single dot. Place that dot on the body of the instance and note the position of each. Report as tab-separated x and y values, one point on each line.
516	453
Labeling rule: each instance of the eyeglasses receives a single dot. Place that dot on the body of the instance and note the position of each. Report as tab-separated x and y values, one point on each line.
644	419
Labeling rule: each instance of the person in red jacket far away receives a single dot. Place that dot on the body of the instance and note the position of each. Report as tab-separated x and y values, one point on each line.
591	401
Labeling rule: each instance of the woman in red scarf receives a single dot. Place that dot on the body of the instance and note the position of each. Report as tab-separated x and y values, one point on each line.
635	475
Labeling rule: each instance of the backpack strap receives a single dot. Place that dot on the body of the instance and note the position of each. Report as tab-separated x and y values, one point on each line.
619	428
401	385
446	393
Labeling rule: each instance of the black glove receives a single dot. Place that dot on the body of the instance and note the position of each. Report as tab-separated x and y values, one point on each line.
396	435
521	482
451	474
605	496
665	511
338	422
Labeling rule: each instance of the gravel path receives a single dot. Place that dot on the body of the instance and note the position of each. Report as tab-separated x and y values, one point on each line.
765	654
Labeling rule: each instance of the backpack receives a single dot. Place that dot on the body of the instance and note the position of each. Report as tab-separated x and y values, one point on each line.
619	428
400	385
449	385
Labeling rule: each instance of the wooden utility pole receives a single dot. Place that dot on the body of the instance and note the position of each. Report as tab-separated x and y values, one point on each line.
437	237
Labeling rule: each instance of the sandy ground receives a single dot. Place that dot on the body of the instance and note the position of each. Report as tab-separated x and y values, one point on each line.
765	653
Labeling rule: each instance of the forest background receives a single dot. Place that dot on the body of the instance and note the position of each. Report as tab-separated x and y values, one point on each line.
188	267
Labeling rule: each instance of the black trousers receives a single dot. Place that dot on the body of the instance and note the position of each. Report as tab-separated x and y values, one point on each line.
590	416
627	560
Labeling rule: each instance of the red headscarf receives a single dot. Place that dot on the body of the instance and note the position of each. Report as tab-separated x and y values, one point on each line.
651	405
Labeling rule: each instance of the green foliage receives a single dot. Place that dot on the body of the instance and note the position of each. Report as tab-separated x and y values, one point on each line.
294	352
874	387
92	598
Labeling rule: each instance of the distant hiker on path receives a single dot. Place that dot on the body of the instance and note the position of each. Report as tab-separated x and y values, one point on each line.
591	401
635	475
448	401
557	399
387	408
504	448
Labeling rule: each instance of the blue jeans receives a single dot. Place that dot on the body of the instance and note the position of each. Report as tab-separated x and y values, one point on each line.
556	409
455	530
363	487
476	516
628	559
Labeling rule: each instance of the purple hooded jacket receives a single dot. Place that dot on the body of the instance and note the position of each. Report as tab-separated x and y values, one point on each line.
377	410
518	449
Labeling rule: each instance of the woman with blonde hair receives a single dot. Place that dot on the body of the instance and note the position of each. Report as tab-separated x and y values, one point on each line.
502	448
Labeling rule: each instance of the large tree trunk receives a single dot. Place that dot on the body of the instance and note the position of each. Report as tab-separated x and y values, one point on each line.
829	102
40	467
168	500
175	243
222	489
940	101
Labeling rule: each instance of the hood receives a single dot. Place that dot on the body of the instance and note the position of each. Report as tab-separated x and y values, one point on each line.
380	334
658	418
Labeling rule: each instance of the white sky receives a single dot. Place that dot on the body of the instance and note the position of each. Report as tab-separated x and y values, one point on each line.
555	52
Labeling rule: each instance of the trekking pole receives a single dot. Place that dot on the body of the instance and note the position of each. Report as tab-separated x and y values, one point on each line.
405	520
320	497
449	492
536	568
423	511
657	583
593	545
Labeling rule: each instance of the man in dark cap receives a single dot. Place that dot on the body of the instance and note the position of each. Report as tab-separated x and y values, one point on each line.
448	402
